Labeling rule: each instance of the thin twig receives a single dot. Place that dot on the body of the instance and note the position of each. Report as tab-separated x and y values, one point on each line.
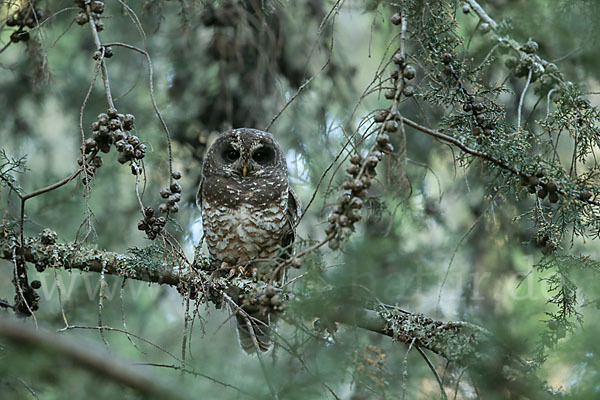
522	98
488	157
405	367
101	296
153	100
192	372
433	370
53	186
548	101
11	186
6	46
305	84
60	302
111	329
123	321
5	304
100	48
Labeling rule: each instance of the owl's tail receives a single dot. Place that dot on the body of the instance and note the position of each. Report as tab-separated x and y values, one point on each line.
253	332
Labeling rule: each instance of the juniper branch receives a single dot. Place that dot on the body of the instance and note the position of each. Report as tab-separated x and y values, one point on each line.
488	157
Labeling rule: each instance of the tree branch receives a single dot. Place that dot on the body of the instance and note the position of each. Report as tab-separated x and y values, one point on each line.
445	339
98	362
482	14
44	252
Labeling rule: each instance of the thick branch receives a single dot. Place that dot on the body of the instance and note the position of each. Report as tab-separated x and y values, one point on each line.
456	341
44	252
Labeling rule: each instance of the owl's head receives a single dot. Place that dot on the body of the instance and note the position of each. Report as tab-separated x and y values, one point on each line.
244	153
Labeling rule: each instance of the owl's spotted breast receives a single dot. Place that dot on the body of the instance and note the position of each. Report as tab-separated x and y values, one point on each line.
245	233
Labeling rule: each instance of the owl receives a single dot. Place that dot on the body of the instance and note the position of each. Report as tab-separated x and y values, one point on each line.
249	213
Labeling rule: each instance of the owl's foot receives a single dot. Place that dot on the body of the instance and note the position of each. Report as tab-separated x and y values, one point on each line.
242	270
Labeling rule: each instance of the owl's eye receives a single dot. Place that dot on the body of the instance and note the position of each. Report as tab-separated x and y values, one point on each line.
231	155
263	156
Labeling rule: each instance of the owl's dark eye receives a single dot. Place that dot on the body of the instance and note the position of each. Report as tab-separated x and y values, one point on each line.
263	155
231	155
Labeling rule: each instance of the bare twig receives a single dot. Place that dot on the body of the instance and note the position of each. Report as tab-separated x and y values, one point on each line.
60	302
433	370
5	304
101	296
405	367
153	99
195	373
100	48
522	98
111	329
53	186
305	84
29	388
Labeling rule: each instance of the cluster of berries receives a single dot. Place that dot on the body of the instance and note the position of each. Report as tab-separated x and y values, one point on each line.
172	195
96	8
267	301
27	17
151	224
113	128
405	72
478	110
542	189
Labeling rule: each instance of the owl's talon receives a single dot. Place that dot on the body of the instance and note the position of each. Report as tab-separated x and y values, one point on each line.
233	271
239	270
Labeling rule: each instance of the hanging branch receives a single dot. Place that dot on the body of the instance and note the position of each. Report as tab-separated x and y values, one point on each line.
97	362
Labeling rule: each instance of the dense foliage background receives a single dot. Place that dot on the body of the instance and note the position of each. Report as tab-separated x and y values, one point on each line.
485	211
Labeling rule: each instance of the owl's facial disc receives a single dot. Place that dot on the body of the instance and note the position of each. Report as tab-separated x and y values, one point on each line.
245	154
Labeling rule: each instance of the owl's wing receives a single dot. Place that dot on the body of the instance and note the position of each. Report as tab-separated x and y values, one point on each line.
199	194
294	210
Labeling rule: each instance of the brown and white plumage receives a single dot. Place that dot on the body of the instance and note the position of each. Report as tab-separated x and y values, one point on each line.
249	211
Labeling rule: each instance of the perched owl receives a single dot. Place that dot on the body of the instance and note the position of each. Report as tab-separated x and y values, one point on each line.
249	211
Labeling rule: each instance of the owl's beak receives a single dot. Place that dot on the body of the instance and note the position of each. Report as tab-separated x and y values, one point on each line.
245	169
